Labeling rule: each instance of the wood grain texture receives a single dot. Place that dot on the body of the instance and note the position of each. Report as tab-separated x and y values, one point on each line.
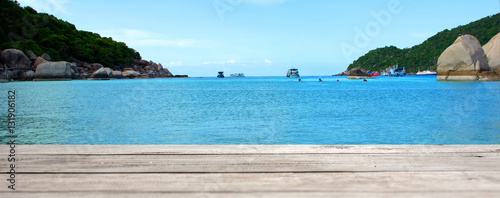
250	149
254	171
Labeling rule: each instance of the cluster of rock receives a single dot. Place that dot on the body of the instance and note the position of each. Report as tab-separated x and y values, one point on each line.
359	74
387	70
20	65
466	60
344	73
16	65
348	72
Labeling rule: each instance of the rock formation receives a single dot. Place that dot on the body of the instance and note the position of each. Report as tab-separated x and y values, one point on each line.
143	76
28	75
492	51
344	73
464	60
358	74
45	56
53	71
15	59
108	71
168	73
32	56
117	74
130	74
39	61
4	74
101	74
97	66
23	68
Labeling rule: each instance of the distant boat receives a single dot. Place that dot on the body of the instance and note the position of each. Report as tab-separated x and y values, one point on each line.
384	73
221	74
398	72
426	72
374	74
293	73
237	75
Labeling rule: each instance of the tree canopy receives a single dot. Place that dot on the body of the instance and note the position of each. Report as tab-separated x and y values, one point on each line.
26	29
425	55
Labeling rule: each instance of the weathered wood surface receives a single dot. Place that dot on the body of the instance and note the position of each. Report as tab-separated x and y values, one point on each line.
254	171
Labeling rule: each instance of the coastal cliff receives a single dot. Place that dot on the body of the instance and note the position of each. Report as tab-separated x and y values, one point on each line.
24	33
425	55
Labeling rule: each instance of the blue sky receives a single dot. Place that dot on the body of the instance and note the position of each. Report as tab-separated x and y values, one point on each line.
264	37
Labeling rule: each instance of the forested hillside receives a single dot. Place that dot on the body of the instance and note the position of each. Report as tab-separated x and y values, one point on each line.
26	29
425	55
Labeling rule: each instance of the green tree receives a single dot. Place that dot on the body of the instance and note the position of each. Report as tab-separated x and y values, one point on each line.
425	55
26	29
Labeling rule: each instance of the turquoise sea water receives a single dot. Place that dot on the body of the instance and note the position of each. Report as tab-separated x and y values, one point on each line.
255	110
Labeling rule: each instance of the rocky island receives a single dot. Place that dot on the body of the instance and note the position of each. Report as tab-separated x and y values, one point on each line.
359	74
66	52
426	55
17	66
466	60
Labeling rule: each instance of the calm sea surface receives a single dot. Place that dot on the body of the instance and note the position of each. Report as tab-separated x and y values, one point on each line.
251	110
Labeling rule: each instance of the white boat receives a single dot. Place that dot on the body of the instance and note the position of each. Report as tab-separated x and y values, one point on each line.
399	72
294	73
237	75
426	72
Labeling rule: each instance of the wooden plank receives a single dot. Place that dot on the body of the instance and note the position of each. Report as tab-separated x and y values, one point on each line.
488	181
247	149
458	194
255	170
257	163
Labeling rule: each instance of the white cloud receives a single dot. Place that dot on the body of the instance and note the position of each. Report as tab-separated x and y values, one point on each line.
141	38
48	6
267	61
228	61
178	63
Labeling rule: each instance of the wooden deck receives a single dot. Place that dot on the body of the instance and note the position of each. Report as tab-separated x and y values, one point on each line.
253	171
